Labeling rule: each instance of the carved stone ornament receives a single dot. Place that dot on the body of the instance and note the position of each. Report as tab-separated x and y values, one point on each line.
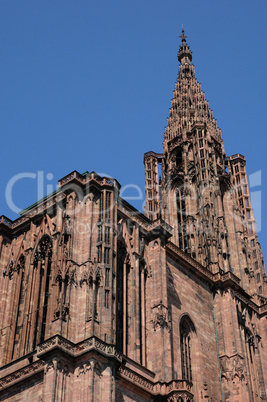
18	375
57	364
61	310
160	317
98	369
11	269
180	397
252	336
135	378
75	349
90	273
232	368
43	251
83	368
50	365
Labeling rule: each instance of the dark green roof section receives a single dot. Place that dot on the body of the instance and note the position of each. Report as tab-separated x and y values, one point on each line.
38	202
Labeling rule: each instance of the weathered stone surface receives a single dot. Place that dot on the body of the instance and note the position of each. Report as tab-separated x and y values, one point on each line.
99	302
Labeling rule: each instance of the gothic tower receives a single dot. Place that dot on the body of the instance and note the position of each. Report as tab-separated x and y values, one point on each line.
203	194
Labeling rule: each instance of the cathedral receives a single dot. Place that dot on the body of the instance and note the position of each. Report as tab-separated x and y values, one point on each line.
100	302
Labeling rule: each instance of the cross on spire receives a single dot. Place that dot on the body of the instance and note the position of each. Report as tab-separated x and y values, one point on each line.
184	50
183	37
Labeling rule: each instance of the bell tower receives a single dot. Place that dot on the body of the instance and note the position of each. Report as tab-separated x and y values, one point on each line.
198	196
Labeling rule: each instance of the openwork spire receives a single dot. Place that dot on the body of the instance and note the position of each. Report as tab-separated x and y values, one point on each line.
189	105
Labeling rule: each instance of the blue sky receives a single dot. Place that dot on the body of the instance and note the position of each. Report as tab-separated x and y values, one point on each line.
87	85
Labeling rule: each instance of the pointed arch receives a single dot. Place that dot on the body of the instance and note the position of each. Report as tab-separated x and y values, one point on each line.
187	332
189	322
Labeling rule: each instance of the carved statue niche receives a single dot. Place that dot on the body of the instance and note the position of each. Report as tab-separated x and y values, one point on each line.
91	277
43	251
10	269
15	265
21	263
160	317
96	283
66	232
63	281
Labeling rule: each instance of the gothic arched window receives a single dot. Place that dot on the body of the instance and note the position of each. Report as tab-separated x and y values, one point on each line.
186	332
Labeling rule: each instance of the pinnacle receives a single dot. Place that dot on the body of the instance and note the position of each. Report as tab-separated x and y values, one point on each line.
184	54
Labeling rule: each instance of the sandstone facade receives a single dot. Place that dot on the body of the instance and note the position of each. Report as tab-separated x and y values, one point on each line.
100	302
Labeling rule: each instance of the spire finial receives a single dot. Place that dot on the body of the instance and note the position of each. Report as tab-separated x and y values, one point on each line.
184	50
183	36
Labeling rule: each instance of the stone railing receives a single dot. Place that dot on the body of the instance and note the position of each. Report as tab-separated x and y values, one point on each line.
77	349
23	373
6	221
175	388
86	178
71	176
12	224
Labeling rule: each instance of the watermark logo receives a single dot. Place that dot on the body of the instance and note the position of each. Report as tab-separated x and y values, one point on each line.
42	182
186	199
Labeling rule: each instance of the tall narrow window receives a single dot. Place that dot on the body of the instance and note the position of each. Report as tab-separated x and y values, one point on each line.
107	298
180	199
99	253
108	205
107	234
106	255
186	331
107	277
99	238
101	208
89	298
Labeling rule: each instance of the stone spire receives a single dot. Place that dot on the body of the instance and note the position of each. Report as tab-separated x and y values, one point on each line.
189	105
